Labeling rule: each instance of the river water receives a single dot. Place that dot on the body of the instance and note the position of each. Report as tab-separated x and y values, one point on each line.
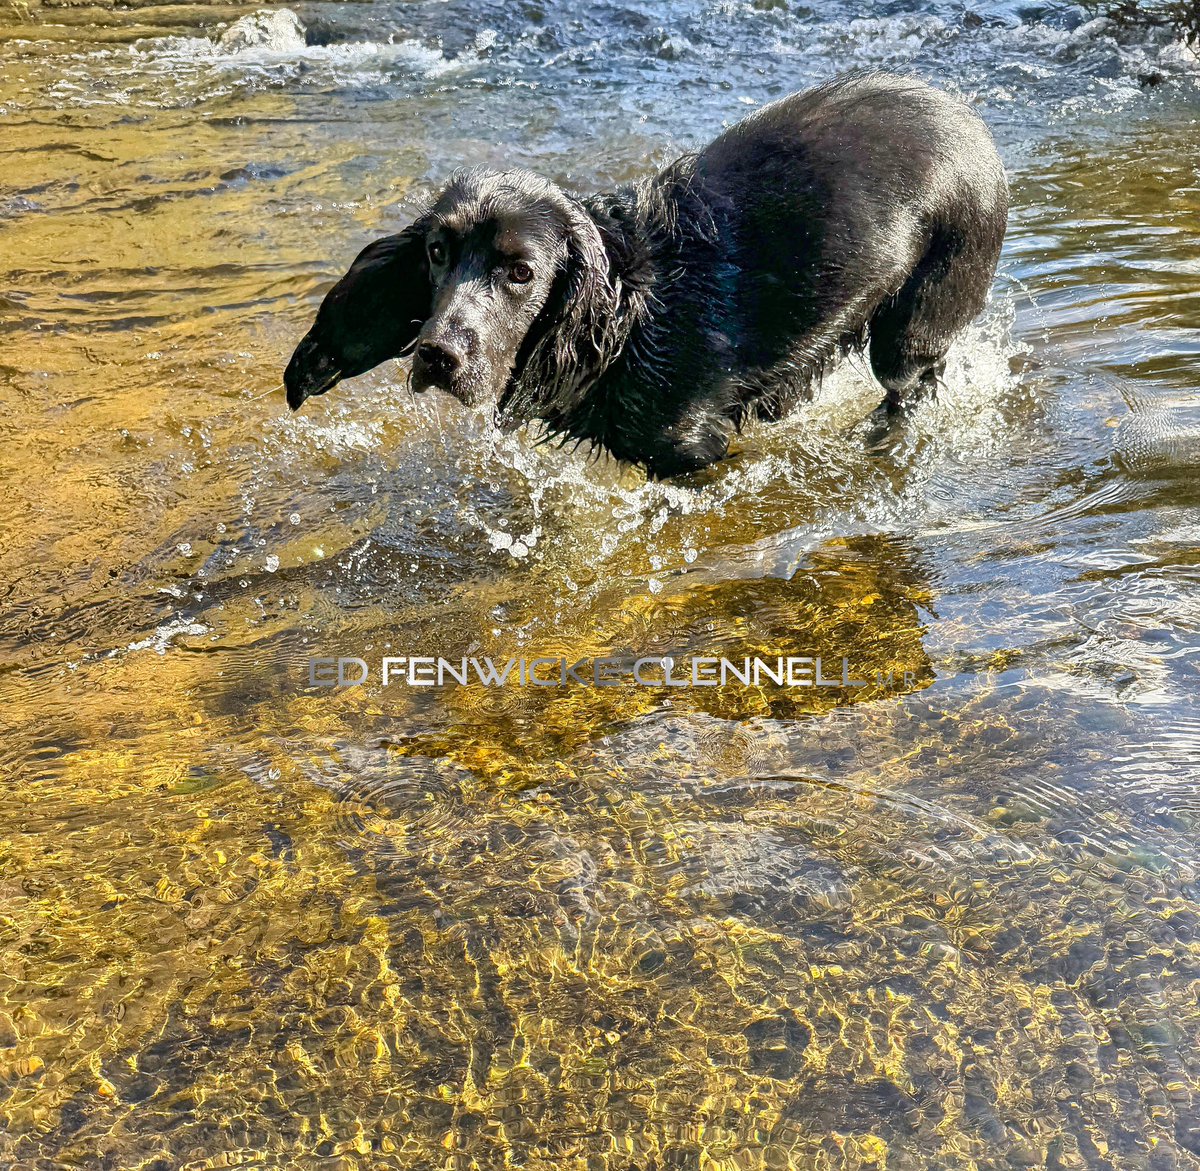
945	920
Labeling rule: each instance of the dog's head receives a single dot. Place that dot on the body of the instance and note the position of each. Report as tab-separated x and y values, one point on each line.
486	288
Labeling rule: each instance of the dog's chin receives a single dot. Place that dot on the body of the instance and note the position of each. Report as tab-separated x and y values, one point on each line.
473	393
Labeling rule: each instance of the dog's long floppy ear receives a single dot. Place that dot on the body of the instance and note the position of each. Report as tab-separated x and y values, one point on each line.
373	313
575	336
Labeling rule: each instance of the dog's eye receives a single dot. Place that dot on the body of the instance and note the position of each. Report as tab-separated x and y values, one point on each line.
520	273
437	252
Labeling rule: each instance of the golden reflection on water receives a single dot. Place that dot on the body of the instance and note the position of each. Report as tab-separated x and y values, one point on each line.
948	919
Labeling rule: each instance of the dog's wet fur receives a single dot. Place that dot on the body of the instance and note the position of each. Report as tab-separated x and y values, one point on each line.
654	320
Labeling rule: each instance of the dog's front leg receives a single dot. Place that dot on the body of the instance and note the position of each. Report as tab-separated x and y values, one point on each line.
697	438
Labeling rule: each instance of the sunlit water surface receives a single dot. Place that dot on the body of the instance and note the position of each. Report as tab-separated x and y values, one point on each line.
947	920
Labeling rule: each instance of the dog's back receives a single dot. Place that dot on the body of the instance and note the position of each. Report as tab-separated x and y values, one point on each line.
859	137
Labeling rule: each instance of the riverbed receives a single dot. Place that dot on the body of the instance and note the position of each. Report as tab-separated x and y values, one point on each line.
947	919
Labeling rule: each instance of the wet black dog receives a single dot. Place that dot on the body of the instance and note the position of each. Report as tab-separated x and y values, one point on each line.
656	319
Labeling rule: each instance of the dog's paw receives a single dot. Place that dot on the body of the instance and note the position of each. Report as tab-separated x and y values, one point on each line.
882	431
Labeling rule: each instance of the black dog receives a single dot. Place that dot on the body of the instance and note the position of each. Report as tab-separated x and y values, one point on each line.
656	319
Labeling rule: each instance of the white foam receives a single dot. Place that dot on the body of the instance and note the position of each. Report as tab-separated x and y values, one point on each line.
162	638
798	466
276	30
265	49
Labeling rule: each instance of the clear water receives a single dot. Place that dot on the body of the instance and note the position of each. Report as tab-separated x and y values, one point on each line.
947	920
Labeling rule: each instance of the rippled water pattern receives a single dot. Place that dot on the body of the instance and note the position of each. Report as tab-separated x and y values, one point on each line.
947	920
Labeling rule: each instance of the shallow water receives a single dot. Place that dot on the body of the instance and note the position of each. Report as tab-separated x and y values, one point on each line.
947	919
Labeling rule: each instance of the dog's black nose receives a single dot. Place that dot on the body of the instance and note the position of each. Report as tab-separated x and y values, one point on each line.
441	361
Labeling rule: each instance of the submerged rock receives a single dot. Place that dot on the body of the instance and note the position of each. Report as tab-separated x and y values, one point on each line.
673	48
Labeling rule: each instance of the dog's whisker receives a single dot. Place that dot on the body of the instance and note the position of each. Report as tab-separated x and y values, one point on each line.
266	393
217	416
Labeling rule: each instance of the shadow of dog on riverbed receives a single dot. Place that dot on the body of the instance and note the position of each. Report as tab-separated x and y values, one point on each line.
655	320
